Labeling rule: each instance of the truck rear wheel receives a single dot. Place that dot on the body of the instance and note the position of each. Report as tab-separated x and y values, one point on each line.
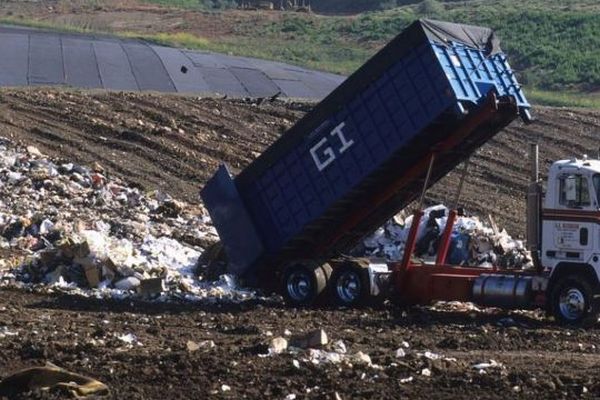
303	284
350	286
573	302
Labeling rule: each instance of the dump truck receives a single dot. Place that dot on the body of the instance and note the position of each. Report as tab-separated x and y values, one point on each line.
417	109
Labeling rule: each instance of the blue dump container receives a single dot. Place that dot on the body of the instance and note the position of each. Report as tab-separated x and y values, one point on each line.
320	188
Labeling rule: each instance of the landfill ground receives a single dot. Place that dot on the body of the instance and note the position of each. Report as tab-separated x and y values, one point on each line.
532	357
198	350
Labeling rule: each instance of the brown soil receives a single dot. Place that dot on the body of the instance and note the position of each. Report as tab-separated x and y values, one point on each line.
138	137
538	358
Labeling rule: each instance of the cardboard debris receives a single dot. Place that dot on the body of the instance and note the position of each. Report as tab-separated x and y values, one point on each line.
278	345
151	286
51	377
192	346
314	339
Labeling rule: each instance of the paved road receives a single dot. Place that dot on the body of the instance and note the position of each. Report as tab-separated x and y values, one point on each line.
30	57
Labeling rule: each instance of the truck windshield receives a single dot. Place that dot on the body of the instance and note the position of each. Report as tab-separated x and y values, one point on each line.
596	180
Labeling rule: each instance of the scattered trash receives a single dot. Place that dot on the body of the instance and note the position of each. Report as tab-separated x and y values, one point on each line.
51	377
4	332
339	347
80	230
316	356
400	353
482	367
426	372
192	346
225	388
472	242
431	356
278	345
314	339
360	358
130	339
207	344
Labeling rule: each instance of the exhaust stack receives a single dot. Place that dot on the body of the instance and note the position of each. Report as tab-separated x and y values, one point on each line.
534	207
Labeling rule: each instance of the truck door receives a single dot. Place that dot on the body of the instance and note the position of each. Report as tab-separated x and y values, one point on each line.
570	224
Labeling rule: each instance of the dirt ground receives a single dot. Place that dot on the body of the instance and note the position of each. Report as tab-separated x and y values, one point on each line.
175	143
535	357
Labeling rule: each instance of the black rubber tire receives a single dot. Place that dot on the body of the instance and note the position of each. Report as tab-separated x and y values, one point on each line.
361	277
578	285
315	279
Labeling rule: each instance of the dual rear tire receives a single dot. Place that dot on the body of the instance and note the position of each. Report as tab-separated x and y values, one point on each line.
306	284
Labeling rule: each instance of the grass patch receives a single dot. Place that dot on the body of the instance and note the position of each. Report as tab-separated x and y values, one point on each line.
196	4
180	39
562	99
553	45
30	23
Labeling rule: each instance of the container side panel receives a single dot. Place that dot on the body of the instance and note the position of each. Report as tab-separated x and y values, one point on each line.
348	146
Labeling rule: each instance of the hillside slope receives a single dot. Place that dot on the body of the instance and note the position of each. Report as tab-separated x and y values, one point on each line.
175	144
553	45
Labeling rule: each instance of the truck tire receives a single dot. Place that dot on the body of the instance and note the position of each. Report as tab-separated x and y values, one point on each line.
350	286
304	284
573	303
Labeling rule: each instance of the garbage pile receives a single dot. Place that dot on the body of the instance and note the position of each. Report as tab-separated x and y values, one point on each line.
67	227
472	242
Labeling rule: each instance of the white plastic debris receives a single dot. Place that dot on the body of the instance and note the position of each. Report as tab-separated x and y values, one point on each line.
129	338
400	353
431	356
5	332
339	347
473	242
485	365
317	357
278	345
128	283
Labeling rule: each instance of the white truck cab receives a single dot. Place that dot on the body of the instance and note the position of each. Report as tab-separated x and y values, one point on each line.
568	236
571	214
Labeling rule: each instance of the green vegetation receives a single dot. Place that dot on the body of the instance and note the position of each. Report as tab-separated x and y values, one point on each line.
563	98
196	4
554	45
327	6
43	25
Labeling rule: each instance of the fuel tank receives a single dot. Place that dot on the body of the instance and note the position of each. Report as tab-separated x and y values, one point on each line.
505	291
